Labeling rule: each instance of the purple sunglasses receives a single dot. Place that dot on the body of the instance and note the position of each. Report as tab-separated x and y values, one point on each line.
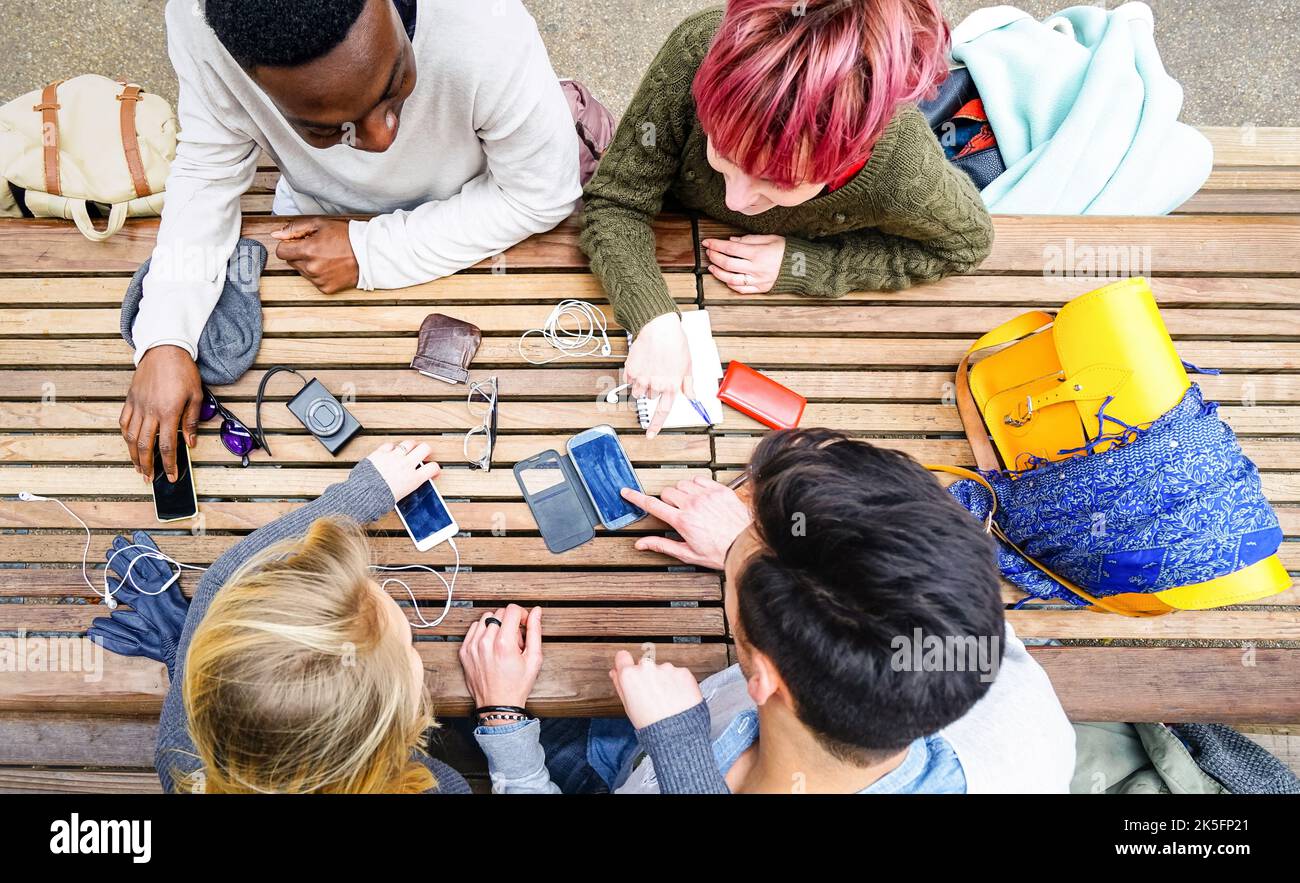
234	434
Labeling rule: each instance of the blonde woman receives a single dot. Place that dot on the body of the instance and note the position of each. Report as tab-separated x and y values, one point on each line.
295	672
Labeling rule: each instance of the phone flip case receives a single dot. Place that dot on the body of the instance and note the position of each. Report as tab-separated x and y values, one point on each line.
564	512
761	397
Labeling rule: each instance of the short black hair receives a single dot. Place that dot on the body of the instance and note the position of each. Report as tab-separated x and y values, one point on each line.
859	546
280	33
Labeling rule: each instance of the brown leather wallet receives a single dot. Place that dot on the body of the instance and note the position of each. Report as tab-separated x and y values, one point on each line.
446	347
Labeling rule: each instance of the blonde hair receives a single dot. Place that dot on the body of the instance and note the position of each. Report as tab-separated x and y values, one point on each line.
290	683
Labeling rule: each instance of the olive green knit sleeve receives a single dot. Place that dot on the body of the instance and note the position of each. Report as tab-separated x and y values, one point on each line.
628	189
936	226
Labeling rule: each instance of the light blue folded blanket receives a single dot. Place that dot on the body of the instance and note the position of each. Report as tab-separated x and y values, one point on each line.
1085	114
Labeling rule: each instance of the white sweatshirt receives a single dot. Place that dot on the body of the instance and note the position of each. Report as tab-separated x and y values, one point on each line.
485	157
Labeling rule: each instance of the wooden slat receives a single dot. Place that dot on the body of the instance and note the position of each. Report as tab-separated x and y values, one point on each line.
18	780
1175	684
789	320
1236	202
1235	686
607	551
574	680
408	417
77	740
1185	625
1225	177
49	386
304	352
42	247
1254	145
674	448
836	318
1278	624
761	352
321	320
479	586
516	288
557	622
1227	245
1040	291
273	482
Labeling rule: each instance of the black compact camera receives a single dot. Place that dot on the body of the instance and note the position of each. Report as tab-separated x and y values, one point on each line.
324	416
316	408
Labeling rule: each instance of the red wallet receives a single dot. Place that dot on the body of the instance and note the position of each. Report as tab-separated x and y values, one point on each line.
760	397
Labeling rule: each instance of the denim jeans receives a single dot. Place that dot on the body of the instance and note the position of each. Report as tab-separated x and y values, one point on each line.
588	755
583	755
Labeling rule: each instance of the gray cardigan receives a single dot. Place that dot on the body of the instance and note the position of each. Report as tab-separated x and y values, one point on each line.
364	497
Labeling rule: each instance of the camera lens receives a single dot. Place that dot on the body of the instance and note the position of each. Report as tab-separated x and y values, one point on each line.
324	416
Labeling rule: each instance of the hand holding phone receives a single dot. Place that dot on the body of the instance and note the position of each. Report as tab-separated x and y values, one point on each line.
419	505
174	500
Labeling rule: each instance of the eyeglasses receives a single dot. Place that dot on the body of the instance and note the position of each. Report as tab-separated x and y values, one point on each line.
234	434
482	439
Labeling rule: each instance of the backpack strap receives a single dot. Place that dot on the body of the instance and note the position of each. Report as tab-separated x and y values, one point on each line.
129	98
49	111
972	421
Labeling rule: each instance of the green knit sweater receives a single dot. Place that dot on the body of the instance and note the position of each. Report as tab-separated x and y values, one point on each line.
909	216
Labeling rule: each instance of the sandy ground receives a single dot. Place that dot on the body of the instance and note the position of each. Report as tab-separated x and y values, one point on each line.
1233	57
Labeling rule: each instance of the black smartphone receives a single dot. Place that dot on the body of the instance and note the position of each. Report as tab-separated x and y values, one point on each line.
174	500
552	492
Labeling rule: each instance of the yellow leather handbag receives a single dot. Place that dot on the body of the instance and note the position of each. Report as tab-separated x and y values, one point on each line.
1039	398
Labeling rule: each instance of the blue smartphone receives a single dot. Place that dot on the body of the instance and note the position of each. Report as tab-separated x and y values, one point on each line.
604	469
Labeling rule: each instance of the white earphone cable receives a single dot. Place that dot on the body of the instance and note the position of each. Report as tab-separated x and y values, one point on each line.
449	586
576	342
155	555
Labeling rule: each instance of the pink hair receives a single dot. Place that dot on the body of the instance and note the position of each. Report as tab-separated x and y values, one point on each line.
799	92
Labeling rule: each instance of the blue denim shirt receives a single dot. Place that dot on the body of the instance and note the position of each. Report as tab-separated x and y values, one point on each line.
931	765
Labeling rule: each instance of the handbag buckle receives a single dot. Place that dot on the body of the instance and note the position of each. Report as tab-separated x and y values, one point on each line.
1021	421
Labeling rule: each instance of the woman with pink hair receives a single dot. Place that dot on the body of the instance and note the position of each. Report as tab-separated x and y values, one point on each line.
794	121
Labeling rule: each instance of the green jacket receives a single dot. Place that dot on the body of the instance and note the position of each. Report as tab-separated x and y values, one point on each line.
909	216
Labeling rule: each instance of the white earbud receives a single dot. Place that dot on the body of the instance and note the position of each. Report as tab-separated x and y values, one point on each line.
611	397
149	552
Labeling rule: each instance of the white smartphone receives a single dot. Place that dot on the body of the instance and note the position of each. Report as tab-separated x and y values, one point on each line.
426	517
603	467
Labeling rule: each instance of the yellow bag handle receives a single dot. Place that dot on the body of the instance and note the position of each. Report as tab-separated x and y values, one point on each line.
971	420
991	525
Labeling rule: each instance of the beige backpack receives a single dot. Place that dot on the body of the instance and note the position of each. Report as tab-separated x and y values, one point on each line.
87	140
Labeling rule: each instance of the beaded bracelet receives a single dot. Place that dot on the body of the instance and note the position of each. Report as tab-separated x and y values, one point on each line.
503	713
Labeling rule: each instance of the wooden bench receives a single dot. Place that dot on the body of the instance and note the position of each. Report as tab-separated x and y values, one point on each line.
879	365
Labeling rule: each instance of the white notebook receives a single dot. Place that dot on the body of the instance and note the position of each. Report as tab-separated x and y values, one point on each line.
706	371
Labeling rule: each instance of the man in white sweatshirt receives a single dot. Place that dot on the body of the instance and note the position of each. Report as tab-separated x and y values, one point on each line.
450	127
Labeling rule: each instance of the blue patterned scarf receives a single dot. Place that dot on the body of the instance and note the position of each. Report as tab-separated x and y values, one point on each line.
1170	505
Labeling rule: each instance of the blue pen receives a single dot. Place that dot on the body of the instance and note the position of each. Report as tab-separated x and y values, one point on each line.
699	409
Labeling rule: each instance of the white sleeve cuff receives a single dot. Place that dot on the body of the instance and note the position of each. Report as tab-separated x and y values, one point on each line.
357	236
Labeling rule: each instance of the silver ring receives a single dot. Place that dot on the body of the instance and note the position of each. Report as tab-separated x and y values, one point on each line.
401	446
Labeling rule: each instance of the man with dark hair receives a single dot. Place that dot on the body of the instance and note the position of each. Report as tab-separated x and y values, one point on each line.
873	652
451	127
